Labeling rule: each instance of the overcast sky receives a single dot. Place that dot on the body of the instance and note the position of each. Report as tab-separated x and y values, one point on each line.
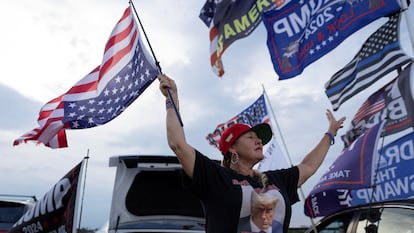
48	45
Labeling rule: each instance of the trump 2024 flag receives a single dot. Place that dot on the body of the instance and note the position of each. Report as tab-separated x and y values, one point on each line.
304	31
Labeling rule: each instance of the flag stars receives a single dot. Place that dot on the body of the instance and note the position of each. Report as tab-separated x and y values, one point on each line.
72	105
118	79
82	108
126	77
72	114
91	121
91	101
114	91
92	110
106	92
75	124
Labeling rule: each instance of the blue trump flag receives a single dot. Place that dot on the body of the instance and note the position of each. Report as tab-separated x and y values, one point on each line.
307	30
353	169
393	181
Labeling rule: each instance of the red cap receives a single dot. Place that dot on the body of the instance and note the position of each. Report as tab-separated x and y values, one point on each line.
232	133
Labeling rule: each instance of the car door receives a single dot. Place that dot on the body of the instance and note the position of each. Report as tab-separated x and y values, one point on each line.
339	223
395	219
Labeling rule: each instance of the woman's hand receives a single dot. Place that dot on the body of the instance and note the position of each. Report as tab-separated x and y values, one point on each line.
334	125
167	83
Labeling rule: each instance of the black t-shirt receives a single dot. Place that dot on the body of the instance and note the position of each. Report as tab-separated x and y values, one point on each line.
227	196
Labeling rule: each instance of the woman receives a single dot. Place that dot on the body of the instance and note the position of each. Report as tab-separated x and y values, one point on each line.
226	190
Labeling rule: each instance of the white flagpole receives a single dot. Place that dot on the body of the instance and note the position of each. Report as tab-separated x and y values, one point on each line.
277	126
404	6
287	152
79	201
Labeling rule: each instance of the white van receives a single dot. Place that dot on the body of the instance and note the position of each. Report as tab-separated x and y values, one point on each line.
149	196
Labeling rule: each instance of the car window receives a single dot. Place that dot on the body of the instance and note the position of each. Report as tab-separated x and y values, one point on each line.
338	224
9	214
396	220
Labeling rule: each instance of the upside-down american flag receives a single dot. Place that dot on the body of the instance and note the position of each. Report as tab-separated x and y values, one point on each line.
126	71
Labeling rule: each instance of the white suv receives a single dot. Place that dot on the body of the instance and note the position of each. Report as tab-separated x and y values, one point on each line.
149	196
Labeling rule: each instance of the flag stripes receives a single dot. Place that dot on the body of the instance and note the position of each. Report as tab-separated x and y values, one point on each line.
379	55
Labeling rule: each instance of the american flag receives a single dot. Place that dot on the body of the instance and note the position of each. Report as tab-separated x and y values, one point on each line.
373	105
392	104
256	113
379	55
126	71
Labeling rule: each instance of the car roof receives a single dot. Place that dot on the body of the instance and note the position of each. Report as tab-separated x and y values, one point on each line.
18	199
133	160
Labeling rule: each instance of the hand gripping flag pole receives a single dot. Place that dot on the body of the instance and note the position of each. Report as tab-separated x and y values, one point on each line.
157	63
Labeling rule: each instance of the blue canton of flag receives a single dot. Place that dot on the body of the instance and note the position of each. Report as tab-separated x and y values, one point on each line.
118	94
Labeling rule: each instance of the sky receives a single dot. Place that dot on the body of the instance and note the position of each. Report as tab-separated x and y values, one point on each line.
48	45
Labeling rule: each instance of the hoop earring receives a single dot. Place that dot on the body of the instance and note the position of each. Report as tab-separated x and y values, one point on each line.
234	158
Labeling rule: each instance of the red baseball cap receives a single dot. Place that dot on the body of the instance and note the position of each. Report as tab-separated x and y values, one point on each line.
232	133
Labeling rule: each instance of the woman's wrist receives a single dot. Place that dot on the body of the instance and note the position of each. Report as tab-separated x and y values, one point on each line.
169	104
331	137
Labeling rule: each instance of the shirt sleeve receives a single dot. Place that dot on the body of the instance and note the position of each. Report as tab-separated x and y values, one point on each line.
287	179
204	171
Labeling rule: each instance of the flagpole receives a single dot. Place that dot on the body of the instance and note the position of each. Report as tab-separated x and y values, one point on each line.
404	6
157	64
286	150
78	214
84	167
